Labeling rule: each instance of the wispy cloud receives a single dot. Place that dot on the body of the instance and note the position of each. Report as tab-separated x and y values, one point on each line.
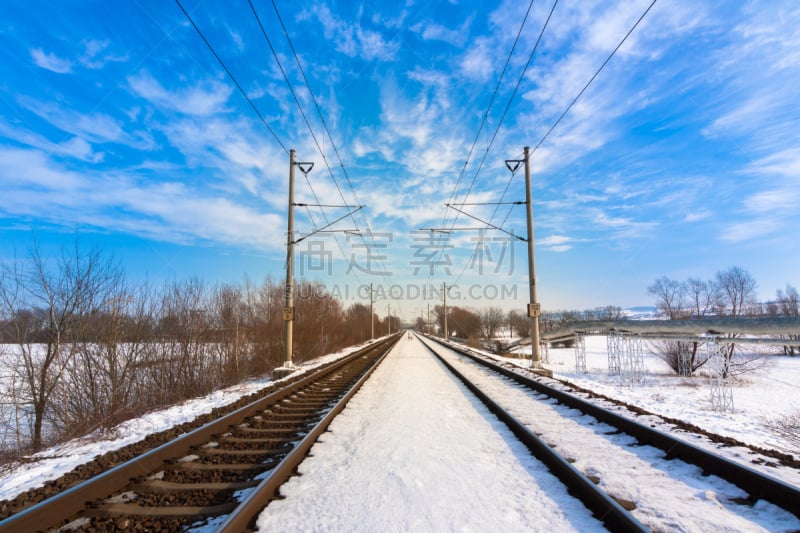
432	31
205	98
51	62
93	127
35	186
74	147
96	55
351	38
555	243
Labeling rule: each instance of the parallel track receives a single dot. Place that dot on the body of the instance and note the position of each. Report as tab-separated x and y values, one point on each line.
225	471
756	484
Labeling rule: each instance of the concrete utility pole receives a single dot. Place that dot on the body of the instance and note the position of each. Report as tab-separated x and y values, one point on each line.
534	309
444	296
288	304
389	318
371	314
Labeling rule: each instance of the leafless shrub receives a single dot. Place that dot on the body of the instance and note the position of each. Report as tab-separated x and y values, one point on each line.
786	427
683	357
46	303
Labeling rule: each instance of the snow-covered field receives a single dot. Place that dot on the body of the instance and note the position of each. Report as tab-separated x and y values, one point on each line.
765	395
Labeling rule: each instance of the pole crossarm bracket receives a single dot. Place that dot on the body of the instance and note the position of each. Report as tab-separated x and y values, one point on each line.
487	223
326	226
327	205
514	164
304	166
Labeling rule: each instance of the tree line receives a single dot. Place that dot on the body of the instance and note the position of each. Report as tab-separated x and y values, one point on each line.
83	348
731	293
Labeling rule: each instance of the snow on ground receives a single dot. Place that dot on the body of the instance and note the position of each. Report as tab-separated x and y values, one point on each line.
669	495
448	465
58	460
769	393
413	452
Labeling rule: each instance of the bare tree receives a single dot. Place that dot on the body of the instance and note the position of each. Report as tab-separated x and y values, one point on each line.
519	323
610	312
789	305
684	357
61	295
227	317
789	301
700	297
463	322
736	291
491	320
669	295
104	386
318	317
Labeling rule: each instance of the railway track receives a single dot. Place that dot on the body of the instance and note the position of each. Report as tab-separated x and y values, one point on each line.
555	427
221	474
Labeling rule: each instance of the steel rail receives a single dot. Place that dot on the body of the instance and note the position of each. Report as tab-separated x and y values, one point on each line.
604	508
51	512
755	483
246	513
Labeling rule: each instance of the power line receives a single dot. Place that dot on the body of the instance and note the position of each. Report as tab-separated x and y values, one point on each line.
563	114
314	99
511	99
505	112
488	109
231	76
294	96
325	126
569	107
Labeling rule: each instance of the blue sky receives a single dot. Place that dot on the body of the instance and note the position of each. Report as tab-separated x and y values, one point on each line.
682	158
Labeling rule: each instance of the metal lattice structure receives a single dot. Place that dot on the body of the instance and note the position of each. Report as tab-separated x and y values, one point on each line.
720	377
614	347
684	363
545	351
632	360
625	357
580	353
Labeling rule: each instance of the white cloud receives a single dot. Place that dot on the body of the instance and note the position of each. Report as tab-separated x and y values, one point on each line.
91	127
94	58
431	31
352	39
202	99
74	147
784	163
555	243
32	169
697	216
35	186
751	229
51	62
478	62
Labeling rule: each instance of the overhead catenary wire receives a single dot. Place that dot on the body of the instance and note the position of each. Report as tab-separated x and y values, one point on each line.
310	129
597	72
316	102
505	113
510	100
325	126
577	97
232	77
568	108
488	109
